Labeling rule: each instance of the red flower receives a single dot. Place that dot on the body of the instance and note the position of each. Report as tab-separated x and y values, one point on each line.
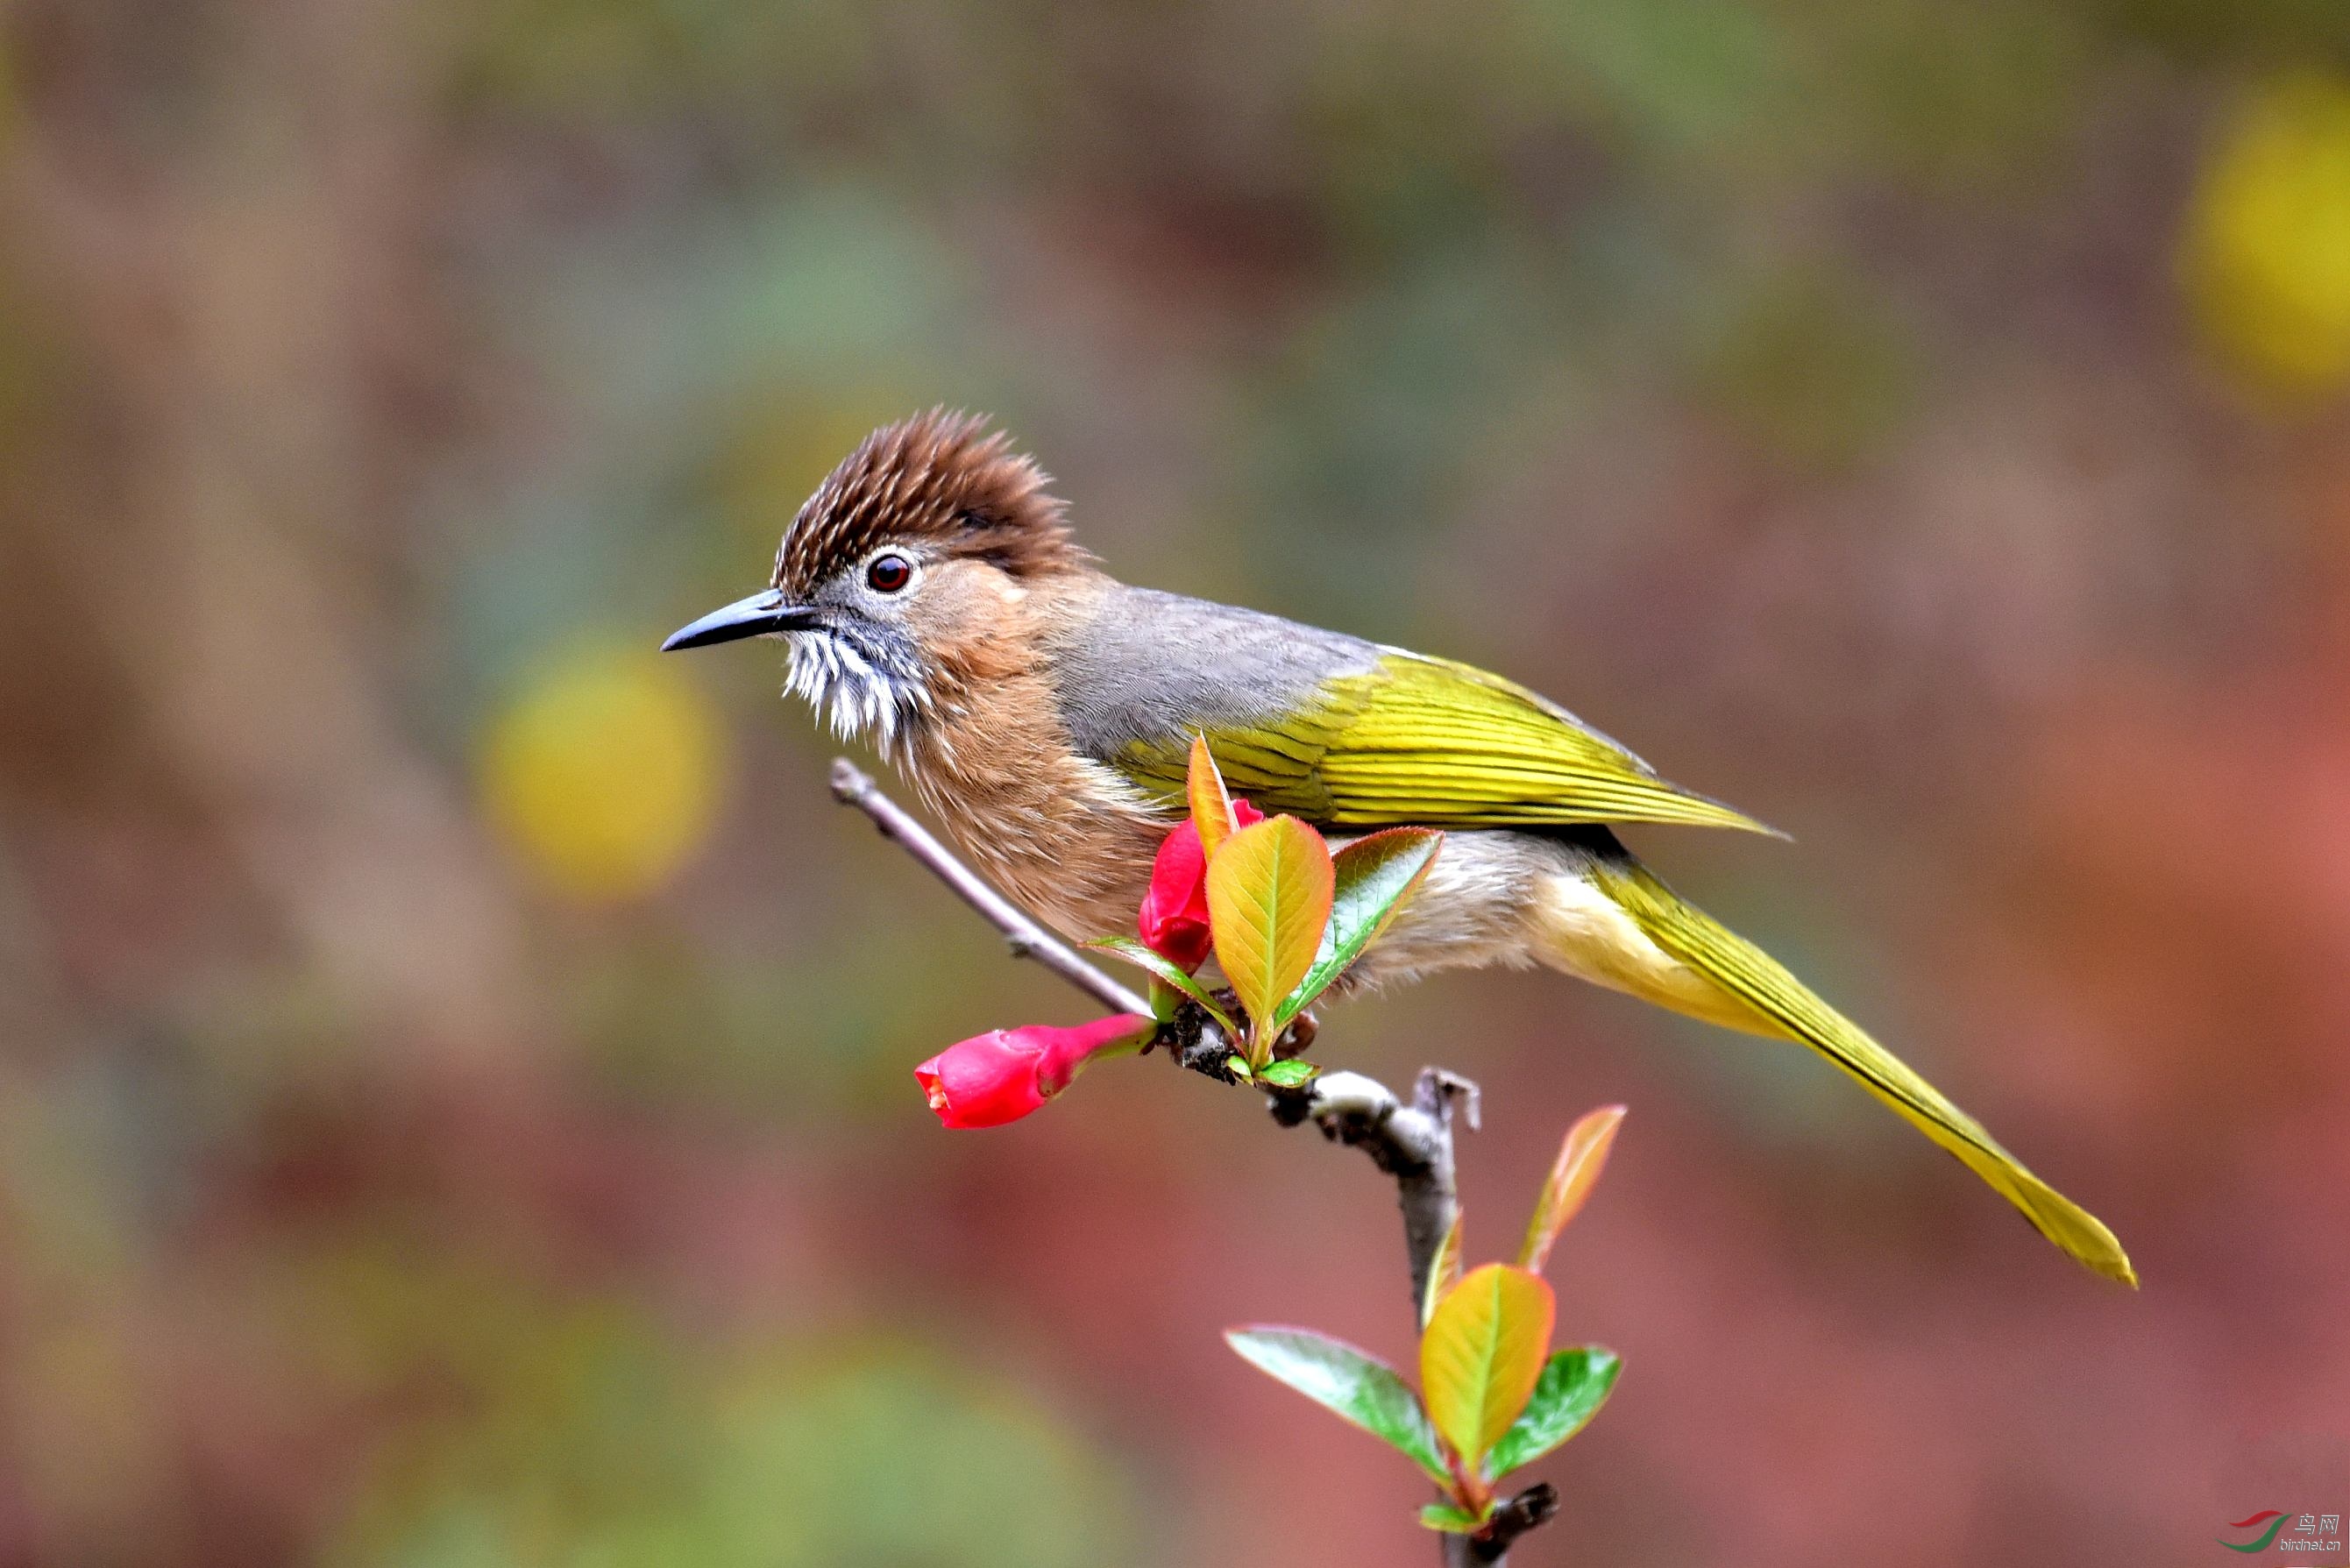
1174	917
1004	1073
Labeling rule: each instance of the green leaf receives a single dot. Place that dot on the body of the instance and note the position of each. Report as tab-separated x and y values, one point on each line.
1373	878
1443	1270
1134	952
1574	1385
1360	1387
1483	1352
1239	1069
1269	895
1289	1075
1450	1519
1580	1159
1211	804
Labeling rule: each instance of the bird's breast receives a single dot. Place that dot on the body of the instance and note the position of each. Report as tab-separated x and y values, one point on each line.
1067	838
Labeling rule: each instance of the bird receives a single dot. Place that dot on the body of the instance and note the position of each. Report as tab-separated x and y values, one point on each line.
935	603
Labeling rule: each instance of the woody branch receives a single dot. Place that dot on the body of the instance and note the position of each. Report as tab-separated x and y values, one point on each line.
1411	1140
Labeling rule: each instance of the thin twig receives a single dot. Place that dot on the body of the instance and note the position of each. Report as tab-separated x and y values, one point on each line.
1412	1142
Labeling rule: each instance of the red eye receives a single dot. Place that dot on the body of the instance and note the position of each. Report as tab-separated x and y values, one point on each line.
887	574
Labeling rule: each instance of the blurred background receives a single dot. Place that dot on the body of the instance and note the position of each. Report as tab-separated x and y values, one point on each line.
454	1092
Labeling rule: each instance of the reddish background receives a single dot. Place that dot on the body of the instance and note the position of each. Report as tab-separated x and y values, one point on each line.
1836	402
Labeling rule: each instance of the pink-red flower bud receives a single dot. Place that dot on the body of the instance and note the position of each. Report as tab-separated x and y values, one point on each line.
1174	915
1005	1073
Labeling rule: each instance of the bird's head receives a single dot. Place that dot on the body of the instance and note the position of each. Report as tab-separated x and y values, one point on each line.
901	568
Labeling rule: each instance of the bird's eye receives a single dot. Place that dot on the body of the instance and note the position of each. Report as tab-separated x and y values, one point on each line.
887	574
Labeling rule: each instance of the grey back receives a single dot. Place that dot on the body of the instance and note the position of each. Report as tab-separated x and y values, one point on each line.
1152	666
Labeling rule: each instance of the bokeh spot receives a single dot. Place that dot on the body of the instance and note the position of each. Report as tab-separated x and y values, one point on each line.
604	771
2267	256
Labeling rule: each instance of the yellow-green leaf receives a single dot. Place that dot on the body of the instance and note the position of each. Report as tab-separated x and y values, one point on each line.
1211	804
1580	1159
1269	891
1481	1355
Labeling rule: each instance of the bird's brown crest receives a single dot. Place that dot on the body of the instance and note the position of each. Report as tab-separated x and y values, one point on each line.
941	478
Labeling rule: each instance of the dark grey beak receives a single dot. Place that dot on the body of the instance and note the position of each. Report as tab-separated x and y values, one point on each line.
754	617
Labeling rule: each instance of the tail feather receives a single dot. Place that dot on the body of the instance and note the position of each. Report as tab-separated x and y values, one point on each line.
1784	1006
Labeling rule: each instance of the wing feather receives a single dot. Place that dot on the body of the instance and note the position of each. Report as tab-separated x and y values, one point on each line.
1405	738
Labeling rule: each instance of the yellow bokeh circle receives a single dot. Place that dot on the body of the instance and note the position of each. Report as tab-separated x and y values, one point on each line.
604	771
2267	247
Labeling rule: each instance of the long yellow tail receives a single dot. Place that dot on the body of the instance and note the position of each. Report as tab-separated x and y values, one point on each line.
1763	997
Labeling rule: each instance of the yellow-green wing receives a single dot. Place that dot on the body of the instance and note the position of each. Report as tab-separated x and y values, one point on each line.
1783	1005
1412	740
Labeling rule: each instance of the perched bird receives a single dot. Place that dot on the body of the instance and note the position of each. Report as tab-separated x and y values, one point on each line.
933	601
